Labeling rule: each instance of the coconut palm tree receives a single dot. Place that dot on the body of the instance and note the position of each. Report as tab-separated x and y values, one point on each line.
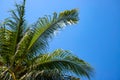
23	48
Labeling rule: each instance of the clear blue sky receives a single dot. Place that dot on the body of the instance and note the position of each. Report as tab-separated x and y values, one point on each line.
96	38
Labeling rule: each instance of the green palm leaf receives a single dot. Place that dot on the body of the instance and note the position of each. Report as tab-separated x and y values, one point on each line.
46	27
63	61
16	23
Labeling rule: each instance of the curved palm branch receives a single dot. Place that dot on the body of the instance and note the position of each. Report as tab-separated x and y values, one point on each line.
47	26
63	61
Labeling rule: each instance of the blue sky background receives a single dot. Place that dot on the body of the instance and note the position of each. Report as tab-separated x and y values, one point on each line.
96	38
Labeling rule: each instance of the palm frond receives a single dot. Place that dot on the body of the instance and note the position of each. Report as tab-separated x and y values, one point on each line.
47	75
47	26
16	23
62	61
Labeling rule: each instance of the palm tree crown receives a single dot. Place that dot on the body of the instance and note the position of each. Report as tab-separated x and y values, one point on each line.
23	48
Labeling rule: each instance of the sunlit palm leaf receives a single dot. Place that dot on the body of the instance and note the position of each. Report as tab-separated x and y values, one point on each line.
63	61
47	26
16	24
